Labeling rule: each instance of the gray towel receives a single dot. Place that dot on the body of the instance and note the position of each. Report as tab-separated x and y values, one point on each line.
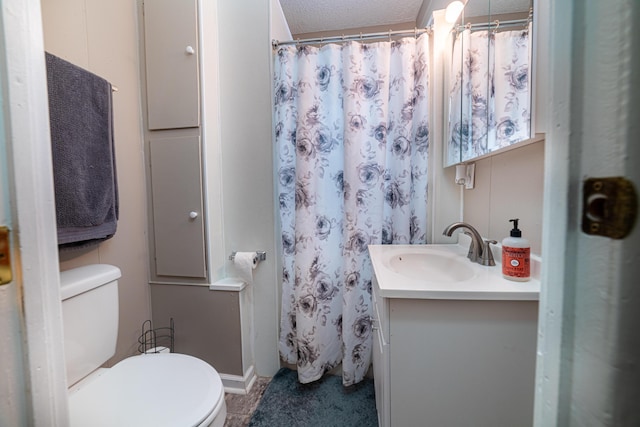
86	190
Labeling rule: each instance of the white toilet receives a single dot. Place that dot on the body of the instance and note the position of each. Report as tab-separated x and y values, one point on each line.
166	389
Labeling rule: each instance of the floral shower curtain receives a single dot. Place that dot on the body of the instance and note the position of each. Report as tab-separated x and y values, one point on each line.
489	96
512	99
352	136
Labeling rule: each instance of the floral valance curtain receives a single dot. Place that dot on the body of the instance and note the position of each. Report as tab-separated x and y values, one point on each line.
352	135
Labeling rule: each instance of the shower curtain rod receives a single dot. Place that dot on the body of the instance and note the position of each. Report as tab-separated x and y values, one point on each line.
492	25
358	37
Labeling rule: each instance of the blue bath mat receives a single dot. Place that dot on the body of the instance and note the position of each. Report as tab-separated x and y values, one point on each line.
323	403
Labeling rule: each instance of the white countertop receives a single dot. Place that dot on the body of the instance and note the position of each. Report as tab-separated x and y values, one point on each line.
487	283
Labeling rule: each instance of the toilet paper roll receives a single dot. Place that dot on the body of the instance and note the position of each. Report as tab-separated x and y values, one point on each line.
244	263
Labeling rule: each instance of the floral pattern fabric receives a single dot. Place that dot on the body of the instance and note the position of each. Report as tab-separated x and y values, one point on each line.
352	135
489	93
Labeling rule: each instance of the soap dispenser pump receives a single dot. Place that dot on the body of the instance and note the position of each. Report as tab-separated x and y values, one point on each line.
516	255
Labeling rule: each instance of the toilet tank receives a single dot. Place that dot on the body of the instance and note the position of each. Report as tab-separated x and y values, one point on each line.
90	317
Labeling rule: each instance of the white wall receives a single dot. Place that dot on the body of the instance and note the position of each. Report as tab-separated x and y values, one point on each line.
508	185
444	196
279	28
279	31
246	159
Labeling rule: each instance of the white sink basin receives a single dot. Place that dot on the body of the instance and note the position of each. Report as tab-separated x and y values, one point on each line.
443	272
434	266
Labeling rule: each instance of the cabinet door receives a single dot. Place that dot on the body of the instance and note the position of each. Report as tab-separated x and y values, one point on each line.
380	377
380	356
171	52
176	188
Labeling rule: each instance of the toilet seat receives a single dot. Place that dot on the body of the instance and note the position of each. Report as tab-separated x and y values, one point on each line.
150	390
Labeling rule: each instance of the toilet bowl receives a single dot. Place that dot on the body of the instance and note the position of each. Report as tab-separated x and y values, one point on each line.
164	389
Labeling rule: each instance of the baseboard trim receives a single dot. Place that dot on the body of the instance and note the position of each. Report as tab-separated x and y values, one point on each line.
236	384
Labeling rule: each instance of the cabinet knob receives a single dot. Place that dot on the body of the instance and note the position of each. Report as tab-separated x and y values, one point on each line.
190	50
193	214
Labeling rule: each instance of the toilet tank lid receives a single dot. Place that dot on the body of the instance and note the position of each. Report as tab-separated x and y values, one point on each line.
82	279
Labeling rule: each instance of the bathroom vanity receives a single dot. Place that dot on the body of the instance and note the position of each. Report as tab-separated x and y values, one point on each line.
454	342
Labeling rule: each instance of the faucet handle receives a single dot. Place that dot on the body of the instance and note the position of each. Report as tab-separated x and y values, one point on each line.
487	256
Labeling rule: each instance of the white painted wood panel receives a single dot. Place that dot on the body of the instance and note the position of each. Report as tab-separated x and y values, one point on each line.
33	387
588	347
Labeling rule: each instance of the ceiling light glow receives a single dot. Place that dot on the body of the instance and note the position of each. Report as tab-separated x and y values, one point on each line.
454	9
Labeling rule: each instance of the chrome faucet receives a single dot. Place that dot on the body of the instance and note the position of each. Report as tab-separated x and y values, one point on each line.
479	250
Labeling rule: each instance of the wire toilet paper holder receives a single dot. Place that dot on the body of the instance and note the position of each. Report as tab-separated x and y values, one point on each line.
260	255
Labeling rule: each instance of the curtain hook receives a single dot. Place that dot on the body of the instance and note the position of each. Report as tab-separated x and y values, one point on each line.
497	22
529	19
389	34
360	35
468	26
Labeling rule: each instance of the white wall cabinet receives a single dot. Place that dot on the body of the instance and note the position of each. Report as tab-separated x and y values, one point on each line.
171	57
451	363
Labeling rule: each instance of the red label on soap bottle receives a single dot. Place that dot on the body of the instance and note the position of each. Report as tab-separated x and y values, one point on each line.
516	262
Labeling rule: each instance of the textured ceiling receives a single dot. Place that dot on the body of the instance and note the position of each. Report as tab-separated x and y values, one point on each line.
310	16
495	7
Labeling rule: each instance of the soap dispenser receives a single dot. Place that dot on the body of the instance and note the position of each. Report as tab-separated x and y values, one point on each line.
516	251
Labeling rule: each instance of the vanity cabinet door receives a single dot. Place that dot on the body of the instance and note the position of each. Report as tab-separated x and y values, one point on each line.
380	357
176	188
380	378
462	362
171	57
